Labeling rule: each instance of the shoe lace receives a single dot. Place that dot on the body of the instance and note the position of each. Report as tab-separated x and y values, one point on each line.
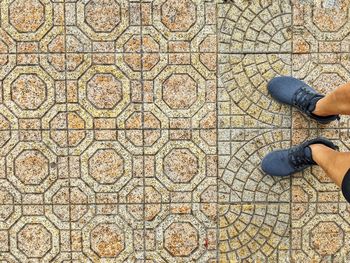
297	158
302	98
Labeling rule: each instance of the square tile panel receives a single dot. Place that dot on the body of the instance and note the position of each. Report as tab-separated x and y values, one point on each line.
320	231
324	72
181	231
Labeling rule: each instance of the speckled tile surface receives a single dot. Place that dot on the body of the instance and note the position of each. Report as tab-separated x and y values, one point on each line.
263	219
132	131
108	131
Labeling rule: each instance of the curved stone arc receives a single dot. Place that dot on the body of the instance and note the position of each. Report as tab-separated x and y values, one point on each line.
244	178
243	26
246	230
245	78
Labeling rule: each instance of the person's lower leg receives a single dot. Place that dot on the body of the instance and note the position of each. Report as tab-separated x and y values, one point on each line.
334	103
334	163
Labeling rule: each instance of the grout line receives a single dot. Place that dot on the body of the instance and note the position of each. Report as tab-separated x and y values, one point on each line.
143	135
217	136
185	129
184	203
67	131
179	52
126	204
291	139
107	52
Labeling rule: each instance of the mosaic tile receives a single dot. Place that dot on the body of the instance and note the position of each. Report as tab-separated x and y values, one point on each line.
240	176
254	232
255	27
243	97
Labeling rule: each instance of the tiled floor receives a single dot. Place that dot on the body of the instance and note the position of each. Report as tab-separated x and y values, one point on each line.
133	130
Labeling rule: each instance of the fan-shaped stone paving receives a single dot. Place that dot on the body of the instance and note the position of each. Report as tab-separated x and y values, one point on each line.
133	131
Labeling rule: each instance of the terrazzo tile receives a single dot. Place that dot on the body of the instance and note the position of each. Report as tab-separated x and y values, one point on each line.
318	206
133	131
313	183
320	26
319	234
182	232
109	234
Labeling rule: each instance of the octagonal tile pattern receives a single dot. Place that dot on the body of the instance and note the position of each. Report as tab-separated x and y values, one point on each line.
133	131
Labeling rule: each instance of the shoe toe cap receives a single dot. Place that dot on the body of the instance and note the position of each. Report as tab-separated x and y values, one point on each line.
276	164
283	88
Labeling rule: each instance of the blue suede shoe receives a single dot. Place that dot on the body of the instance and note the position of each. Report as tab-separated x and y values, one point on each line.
292	160
291	91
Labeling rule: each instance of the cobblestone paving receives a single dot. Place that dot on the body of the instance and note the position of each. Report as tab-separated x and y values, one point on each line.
133	130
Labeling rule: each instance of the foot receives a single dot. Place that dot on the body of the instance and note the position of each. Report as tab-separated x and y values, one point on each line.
297	93
292	160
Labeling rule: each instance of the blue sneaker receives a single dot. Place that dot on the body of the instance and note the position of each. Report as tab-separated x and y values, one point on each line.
291	91
292	160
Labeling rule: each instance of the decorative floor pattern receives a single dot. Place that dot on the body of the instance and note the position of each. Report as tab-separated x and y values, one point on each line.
262	219
132	131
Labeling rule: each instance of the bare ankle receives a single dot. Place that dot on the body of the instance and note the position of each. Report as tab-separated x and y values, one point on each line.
320	109
318	151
